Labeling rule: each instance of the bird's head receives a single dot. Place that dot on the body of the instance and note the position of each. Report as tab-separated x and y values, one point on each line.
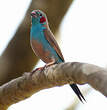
38	17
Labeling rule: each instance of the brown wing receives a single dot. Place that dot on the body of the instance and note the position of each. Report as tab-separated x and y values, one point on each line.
50	37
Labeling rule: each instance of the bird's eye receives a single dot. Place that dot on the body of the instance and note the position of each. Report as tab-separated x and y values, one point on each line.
40	14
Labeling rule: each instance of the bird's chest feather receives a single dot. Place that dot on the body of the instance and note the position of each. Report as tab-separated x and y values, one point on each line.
37	35
41	46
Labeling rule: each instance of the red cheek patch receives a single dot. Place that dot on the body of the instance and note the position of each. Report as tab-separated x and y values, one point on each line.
42	20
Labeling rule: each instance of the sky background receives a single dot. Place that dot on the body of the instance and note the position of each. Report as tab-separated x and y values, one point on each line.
83	38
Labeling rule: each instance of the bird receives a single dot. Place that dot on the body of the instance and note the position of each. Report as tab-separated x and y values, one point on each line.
45	46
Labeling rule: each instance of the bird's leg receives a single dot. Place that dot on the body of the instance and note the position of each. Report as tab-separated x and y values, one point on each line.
47	65
40	68
50	63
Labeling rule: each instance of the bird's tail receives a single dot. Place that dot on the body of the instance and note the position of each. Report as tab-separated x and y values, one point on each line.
78	92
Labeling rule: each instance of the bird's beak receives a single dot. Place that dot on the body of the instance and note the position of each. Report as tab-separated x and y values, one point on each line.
33	14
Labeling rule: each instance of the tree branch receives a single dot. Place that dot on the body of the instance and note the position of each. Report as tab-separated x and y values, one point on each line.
56	75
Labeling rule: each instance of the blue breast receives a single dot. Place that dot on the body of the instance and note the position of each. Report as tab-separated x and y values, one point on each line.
38	34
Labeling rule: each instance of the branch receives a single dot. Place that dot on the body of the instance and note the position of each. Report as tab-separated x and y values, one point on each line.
56	75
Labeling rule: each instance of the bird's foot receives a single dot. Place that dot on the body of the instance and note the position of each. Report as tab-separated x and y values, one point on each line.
42	68
50	63
37	69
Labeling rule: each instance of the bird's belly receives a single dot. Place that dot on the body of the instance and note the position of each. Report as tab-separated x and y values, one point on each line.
42	53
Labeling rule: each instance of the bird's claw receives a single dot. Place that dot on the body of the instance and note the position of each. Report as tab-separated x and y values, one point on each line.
42	68
37	69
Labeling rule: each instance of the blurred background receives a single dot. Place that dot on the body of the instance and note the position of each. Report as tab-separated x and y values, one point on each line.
81	32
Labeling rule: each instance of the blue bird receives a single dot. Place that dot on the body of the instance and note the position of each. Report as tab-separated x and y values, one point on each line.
44	44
